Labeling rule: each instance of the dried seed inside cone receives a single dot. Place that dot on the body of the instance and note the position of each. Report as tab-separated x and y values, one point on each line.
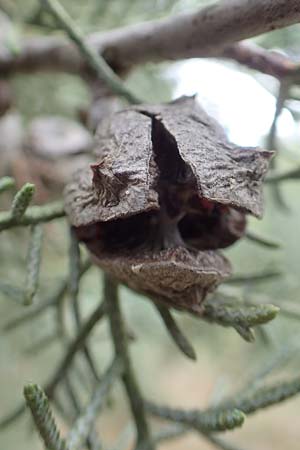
166	192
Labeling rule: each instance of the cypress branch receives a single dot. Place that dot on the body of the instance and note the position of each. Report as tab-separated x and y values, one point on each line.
43	418
175	333
74	280
220	443
119	337
240	317
13	416
74	347
81	429
206	421
262	240
36	310
92	441
33	263
65	363
22	200
13	292
264	396
42	343
95	60
278	177
254	277
53	300
32	216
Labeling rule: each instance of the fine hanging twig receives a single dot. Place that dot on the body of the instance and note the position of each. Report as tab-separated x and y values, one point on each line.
74	347
277	361
35	310
205	421
53	300
64	365
175	431
250	402
262	240
12	292
81	428
97	62
288	310
92	441
229	413
284	88
292	174
119	337
32	216
74	280
175	333
73	398
170	432
33	263
241	317
21	201
220	443
42	415
60	300
13	416
43	343
254	277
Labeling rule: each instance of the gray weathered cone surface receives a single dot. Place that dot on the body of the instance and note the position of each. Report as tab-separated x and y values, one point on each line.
167	190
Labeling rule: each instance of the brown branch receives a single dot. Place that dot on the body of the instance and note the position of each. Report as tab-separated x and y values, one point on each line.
203	33
272	144
265	61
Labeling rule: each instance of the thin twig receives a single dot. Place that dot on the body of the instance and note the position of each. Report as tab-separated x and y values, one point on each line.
92	440
74	280
289	175
35	310
239	316
254	277
38	403
95	60
74	347
284	88
119	337
81	428
12	292
33	263
206	421
22	200
32	216
42	343
65	363
220	443
262	240
175	333
250	402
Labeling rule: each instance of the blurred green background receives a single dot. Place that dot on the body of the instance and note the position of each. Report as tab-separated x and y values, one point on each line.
224	362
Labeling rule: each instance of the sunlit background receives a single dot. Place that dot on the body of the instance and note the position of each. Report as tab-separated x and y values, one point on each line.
243	101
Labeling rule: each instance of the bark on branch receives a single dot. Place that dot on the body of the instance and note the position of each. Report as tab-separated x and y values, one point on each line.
265	61
203	33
